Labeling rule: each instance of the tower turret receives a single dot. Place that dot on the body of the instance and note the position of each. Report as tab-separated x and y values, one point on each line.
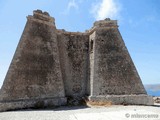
113	75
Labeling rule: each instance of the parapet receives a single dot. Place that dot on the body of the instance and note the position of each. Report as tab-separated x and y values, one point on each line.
40	16
106	23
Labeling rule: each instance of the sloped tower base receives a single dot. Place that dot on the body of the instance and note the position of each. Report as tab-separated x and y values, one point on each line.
123	99
32	103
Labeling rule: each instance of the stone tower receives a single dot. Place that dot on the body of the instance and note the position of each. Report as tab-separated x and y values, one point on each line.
113	74
51	65
34	77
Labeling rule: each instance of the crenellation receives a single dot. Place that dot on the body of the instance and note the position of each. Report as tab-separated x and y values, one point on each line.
41	13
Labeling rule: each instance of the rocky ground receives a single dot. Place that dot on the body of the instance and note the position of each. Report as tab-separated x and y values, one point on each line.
113	112
157	99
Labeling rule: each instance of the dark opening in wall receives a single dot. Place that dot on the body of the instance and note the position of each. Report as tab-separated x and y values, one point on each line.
91	46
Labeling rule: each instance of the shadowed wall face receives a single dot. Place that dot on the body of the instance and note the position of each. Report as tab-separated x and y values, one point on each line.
74	59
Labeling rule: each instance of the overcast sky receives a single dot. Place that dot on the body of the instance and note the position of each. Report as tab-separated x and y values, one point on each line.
139	24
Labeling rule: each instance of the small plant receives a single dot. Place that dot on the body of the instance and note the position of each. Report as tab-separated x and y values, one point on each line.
39	104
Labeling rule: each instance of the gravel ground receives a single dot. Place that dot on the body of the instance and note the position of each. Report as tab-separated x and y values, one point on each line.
86	113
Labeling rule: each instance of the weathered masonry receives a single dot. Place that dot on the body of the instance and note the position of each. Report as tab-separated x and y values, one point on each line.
51	65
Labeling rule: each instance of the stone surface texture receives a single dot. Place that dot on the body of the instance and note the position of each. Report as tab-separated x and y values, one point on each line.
51	65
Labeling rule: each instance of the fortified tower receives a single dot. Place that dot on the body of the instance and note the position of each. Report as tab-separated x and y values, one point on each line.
50	66
113	74
34	77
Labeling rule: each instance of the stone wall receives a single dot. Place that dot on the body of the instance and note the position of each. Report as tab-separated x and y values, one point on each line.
74	59
113	72
35	74
51	65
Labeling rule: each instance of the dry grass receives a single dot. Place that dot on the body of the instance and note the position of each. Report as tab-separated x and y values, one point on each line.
98	103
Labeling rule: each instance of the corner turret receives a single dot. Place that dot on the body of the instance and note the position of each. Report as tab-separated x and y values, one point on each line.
106	23
42	17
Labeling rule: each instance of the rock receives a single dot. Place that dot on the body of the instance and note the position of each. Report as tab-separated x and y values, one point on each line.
157	99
